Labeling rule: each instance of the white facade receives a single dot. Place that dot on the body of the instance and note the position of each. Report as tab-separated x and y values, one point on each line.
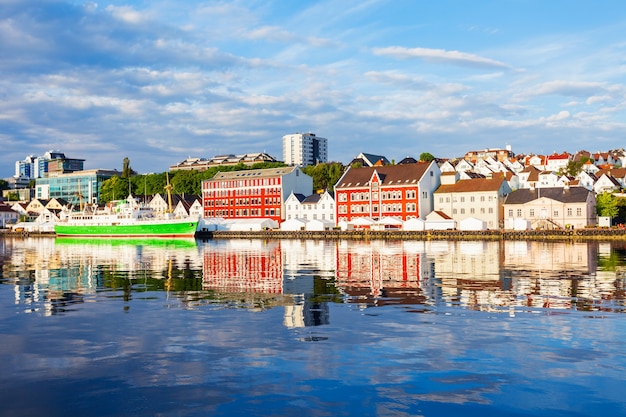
313	207
304	149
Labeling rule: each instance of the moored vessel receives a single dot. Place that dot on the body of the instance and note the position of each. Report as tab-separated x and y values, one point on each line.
125	219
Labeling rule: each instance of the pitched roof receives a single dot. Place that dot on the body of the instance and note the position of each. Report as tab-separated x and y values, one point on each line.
371	159
473	185
389	175
408	160
7	208
533	173
563	195
299	197
251	173
312	199
613	172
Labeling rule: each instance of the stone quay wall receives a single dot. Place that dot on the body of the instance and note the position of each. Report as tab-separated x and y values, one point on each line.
578	234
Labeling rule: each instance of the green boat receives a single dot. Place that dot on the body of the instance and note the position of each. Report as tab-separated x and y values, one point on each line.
127	219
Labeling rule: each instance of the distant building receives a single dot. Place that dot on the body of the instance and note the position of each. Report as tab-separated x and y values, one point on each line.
370	160
304	149
202	164
33	167
497	154
257	193
75	187
7	215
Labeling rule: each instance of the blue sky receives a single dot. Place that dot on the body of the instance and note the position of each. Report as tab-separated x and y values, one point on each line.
158	81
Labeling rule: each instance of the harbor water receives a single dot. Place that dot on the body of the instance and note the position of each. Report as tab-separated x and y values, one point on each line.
311	328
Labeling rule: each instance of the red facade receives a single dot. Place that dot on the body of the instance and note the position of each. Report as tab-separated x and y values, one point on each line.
389	191
251	271
244	197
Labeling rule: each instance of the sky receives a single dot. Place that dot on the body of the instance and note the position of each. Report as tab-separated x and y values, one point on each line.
158	81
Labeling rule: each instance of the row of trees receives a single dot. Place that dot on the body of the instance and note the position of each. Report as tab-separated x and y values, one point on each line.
190	182
182	182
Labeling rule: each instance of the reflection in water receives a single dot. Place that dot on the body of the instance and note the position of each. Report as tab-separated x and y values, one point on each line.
302	276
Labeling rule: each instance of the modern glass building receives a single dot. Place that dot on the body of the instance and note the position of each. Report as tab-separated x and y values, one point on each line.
49	163
74	186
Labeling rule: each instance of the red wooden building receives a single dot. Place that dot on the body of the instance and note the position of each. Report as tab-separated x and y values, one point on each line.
400	191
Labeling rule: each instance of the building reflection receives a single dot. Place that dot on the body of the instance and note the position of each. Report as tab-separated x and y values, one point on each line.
382	272
274	273
304	277
53	274
482	275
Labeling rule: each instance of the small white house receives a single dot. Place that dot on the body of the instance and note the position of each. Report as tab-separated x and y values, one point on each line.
472	223
312	207
248	225
319	225
438	220
292	225
414	225
7	215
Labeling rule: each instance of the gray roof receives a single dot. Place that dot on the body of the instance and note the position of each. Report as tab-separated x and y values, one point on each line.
252	173
563	195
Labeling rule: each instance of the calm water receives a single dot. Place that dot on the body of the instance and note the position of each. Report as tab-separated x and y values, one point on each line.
281	328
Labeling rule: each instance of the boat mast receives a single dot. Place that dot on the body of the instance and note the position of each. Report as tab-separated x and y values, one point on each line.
168	188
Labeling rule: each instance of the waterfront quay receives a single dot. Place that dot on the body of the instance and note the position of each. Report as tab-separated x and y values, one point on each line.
365	234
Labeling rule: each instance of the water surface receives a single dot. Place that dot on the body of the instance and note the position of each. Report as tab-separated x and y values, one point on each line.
240	327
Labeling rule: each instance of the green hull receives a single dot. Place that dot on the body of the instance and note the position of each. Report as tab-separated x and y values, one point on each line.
139	229
84	241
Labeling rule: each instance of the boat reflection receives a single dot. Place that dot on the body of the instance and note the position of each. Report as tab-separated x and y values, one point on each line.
303	277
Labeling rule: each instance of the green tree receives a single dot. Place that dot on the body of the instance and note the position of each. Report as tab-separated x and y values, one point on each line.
115	188
324	176
185	182
426	157
126	171
4	185
607	205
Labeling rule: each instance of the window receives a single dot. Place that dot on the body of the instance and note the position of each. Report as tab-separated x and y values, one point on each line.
570	212
519	212
556	213
510	213
532	213
579	211
472	210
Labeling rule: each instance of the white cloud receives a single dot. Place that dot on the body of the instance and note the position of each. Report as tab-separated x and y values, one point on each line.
440	55
128	14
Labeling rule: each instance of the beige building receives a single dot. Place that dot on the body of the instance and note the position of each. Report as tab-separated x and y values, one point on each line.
551	208
479	198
